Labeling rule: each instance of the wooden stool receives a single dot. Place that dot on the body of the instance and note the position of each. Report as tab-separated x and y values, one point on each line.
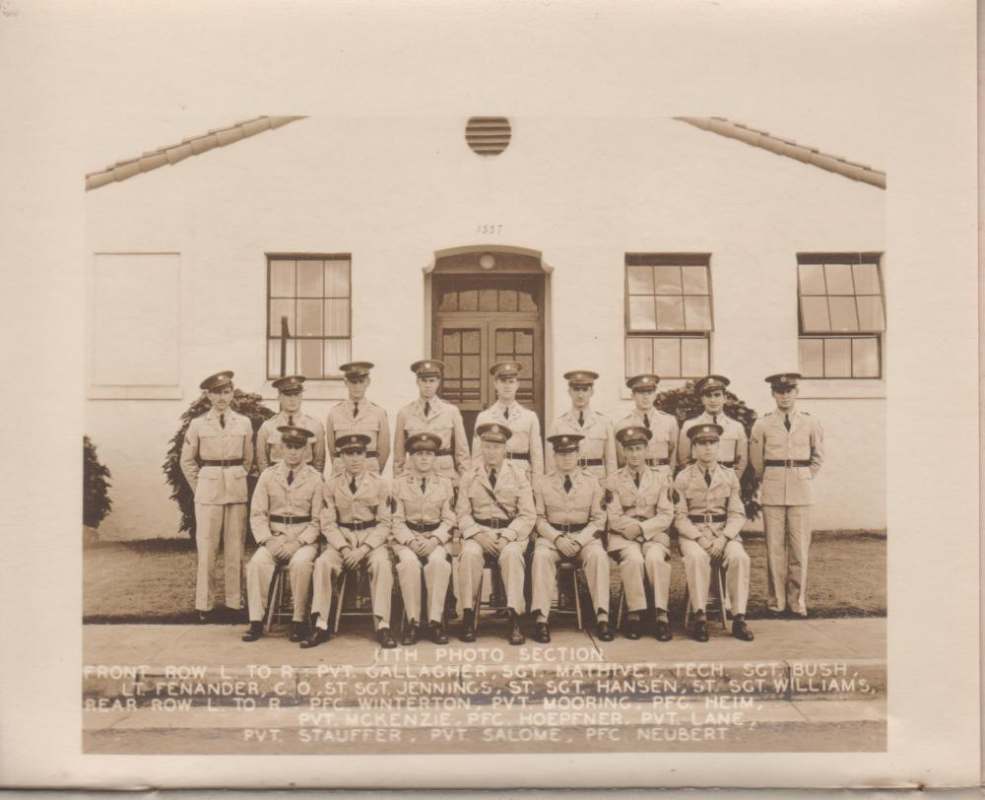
717	598
497	595
280	603
577	576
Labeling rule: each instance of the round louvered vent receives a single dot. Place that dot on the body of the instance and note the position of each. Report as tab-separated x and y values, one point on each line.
488	136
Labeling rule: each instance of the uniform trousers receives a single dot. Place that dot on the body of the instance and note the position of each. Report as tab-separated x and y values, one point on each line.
592	558
212	524
328	567
260	572
651	559
697	570
788	540
437	574
511	568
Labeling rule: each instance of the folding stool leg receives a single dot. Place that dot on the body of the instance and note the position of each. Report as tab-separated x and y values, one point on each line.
274	598
574	579
723	603
339	600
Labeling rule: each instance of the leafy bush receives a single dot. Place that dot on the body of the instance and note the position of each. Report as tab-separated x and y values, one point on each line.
246	403
95	486
684	404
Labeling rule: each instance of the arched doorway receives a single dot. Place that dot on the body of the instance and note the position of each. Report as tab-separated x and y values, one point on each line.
488	304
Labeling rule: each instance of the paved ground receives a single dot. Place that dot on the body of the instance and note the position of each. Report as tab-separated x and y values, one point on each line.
801	685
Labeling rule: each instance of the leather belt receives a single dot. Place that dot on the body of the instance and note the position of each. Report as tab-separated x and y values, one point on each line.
657	462
640	518
288	520
493	523
800	462
569	527
519	456
590	462
446	452
359	526
369	454
423	527
729	464
707	517
229	462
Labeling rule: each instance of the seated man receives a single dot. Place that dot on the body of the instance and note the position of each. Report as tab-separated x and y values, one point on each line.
284	517
709	518
570	524
422	523
356	523
640	513
495	514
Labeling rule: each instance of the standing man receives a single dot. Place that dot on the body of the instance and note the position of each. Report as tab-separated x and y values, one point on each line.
525	447
358	415
640	515
216	456
423	518
284	515
597	447
269	446
355	521
430	414
662	443
787	450
570	524
709	518
495	515
733	449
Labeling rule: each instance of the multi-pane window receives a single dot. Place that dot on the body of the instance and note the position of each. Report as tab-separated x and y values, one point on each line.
842	315
668	314
308	315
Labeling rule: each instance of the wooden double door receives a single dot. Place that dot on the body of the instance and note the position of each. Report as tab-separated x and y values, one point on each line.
480	320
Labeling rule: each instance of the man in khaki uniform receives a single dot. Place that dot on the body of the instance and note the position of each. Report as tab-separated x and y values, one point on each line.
570	524
733	449
640	513
269	447
284	517
597	447
355	521
709	518
662	444
216	456
430	414
423	519
525	447
358	415
786	450
495	515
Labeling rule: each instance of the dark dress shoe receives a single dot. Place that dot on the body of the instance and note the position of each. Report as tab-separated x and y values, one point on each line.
542	633
741	631
410	634
468	626
633	628
438	635
605	633
297	633
385	638
699	630
315	638
516	635
662	631
203	617
255	632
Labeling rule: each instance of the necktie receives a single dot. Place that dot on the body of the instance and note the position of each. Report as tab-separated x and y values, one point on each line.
290	477
714	419
707	479
786	421
646	421
506	414
581	418
424	485
427	409
492	478
567	483
352	486
636	480
355	409
290	420
222	420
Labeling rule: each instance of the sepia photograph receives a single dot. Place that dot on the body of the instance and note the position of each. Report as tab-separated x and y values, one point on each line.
520	474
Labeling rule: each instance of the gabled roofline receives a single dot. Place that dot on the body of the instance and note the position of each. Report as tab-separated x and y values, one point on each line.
789	148
172	154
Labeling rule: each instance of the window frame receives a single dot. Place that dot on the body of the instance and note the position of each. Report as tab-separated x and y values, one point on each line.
268	337
668	259
822	259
